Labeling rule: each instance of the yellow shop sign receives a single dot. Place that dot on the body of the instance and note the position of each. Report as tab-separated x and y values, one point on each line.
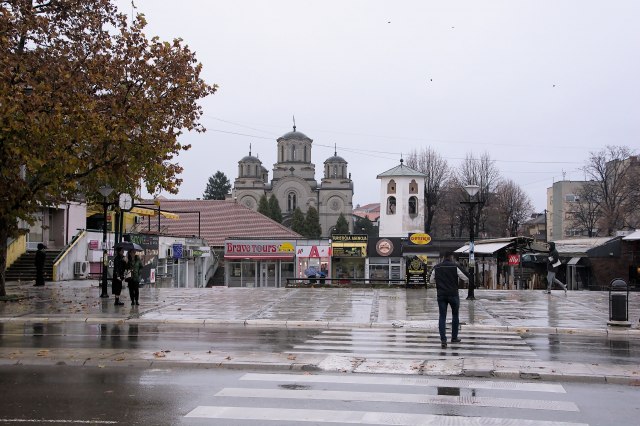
420	239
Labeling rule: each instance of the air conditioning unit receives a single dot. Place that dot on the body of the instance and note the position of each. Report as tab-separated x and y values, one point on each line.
170	252
81	269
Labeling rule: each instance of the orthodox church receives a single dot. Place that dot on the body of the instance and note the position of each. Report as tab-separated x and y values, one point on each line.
294	183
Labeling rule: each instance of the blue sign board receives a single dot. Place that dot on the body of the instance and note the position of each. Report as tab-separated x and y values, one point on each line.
177	251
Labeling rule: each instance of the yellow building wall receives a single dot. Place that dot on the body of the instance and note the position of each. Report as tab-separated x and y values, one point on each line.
16	249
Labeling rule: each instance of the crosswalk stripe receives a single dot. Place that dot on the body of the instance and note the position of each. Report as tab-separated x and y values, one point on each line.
472	401
466	332
406	381
442	354
391	351
353	417
391	342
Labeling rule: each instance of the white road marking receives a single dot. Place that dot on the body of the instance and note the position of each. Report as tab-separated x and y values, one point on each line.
406	381
357	417
470	401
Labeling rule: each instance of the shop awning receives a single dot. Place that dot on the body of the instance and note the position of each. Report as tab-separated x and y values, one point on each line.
143	211
574	261
488	248
260	258
634	236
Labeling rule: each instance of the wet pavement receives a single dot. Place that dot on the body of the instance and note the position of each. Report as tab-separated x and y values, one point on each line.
364	330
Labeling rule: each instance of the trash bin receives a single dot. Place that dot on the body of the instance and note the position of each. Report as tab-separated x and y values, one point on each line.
618	300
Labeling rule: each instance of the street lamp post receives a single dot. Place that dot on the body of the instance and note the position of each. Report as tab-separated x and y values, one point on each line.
105	191
472	190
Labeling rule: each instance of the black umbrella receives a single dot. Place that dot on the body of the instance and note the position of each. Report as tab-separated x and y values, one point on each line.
128	245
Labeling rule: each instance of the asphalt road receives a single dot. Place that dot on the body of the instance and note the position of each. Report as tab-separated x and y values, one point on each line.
134	396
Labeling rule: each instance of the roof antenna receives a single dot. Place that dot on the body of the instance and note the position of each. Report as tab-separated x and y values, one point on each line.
294	123
249	149
335	149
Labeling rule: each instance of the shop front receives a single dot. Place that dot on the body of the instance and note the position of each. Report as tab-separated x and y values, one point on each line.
348	257
258	263
385	262
419	257
313	260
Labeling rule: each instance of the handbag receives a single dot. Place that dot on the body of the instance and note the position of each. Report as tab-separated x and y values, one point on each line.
127	274
558	263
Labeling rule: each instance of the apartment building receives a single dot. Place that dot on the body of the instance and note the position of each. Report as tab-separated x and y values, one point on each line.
560	198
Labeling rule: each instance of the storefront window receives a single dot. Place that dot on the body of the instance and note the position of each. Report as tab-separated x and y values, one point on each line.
248	274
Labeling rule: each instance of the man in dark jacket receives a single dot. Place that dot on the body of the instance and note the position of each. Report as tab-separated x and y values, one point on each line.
41	257
446	275
553	261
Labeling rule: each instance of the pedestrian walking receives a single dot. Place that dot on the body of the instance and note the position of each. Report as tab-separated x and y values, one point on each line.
553	261
119	266
446	275
134	264
41	257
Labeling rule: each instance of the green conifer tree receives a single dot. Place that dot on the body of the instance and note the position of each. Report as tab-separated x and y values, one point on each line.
274	209
263	206
342	226
312	228
297	221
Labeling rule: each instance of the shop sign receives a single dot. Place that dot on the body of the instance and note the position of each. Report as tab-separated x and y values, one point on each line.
349	252
514	259
349	238
313	251
177	250
94	245
419	238
202	251
258	247
416	270
384	247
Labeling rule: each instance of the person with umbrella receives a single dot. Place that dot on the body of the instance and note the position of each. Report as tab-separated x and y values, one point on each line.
135	265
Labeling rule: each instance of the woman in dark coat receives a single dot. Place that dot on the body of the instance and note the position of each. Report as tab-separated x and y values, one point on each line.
119	266
41	257
135	265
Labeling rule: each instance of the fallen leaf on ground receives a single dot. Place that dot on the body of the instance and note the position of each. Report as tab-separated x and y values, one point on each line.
43	352
159	354
228	357
292	357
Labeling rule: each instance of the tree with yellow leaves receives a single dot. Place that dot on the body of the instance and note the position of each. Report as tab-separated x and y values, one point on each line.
86	98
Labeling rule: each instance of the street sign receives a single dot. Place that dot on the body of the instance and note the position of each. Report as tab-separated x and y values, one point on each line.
514	259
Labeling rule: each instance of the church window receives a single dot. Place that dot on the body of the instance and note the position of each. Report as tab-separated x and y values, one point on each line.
293	153
291	201
335	171
281	153
391	187
391	205
413	206
305	154
413	187
256	174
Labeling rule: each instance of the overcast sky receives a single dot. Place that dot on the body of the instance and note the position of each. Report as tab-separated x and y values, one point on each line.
537	84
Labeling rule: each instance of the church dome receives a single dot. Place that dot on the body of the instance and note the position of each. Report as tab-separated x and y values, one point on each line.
335	159
294	135
250	159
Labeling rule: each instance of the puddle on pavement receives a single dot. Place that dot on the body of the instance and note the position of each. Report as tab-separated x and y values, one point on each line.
294	386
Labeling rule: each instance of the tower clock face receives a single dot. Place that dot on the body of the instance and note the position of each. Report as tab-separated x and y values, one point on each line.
125	202
248	202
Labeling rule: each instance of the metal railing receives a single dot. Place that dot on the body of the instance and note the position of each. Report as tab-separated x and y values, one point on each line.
350	282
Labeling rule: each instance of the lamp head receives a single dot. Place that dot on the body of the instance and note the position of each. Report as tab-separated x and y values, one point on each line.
105	190
472	190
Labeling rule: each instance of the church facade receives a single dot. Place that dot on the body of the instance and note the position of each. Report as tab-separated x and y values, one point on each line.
294	183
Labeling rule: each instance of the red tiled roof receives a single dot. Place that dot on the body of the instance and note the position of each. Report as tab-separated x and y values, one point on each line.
219	219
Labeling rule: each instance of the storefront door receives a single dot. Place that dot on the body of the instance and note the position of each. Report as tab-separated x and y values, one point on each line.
268	274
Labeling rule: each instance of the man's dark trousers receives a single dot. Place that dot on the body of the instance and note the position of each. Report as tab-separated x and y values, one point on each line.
443	301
